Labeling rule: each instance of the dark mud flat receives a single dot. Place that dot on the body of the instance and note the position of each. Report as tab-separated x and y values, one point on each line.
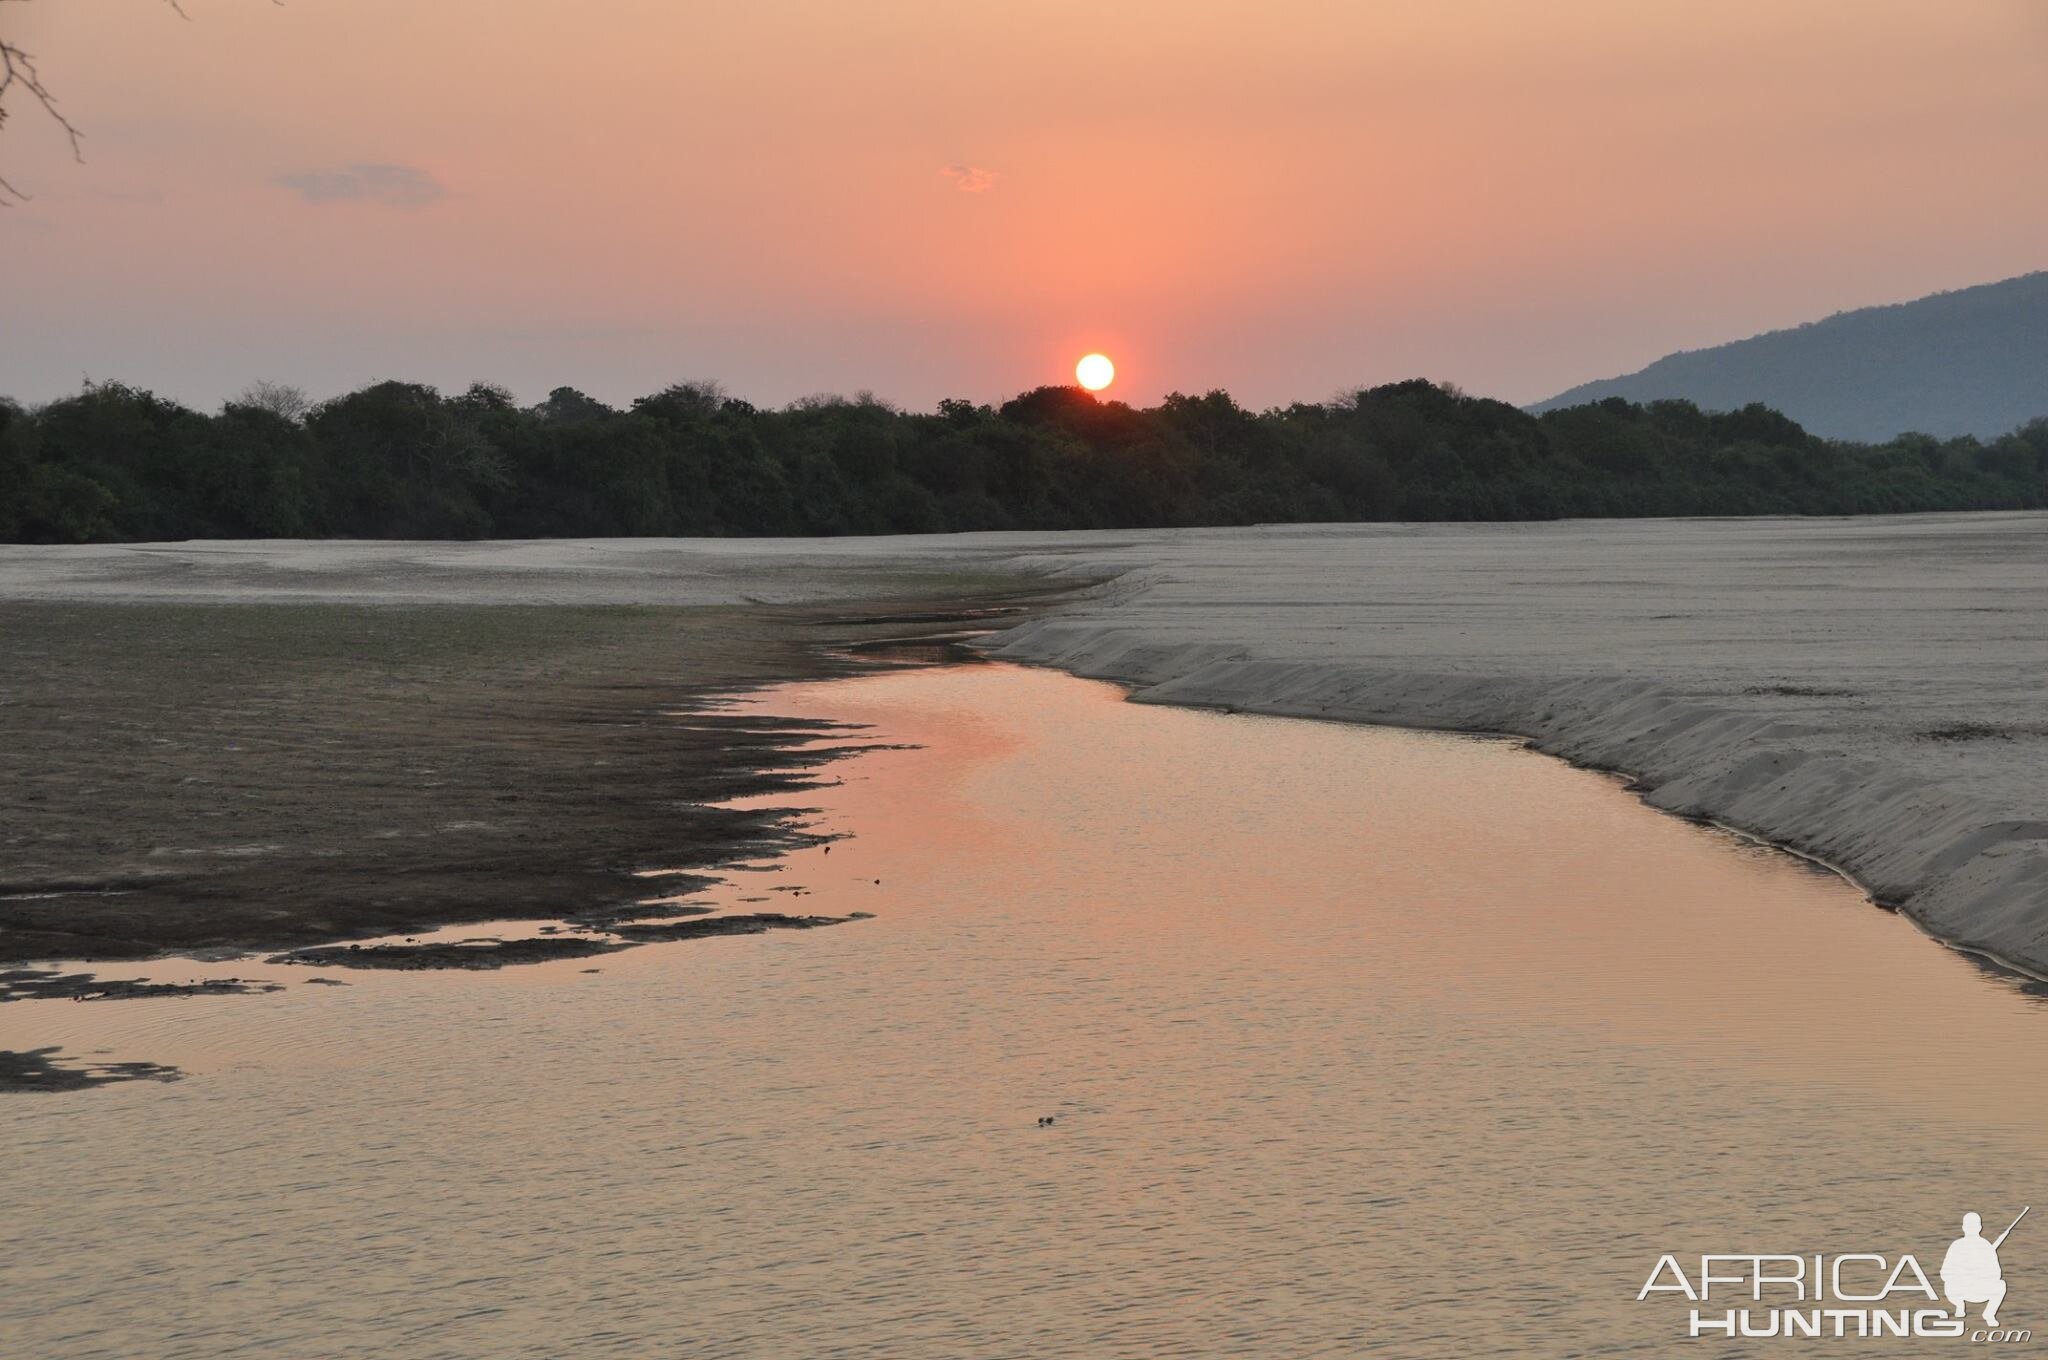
177	777
39	1070
489	954
50	984
604	918
750	924
479	955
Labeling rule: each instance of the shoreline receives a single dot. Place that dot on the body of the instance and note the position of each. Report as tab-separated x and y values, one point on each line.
1714	766
1861	691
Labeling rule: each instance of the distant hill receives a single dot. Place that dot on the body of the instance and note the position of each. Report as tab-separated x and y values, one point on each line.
1974	361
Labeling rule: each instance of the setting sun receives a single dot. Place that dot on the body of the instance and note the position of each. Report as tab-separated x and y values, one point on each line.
1095	372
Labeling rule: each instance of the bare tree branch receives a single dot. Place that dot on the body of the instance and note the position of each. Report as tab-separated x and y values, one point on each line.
18	68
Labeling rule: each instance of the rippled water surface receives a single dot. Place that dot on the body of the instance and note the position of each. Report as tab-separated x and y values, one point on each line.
1358	1041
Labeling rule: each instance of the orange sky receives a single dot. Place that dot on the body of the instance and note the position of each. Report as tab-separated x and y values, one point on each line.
933	197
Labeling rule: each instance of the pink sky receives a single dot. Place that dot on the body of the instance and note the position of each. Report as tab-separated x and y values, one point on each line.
939	199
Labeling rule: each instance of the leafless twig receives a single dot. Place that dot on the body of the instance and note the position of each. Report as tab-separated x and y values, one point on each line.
18	68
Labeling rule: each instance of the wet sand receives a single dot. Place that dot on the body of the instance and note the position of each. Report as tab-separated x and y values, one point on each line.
221	777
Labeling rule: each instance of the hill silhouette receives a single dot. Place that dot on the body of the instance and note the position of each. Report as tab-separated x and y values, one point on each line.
1973	361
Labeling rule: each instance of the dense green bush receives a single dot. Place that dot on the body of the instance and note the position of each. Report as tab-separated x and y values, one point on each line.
399	460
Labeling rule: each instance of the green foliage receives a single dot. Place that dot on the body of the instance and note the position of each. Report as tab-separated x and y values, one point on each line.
401	460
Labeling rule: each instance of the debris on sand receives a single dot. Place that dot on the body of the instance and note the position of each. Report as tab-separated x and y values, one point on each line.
1970	731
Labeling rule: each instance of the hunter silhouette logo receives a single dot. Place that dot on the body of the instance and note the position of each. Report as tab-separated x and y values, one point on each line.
1970	1273
1857	1293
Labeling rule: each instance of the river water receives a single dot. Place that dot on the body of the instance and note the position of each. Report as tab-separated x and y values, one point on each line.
1356	1041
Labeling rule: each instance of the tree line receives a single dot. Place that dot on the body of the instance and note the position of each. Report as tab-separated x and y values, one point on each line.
401	460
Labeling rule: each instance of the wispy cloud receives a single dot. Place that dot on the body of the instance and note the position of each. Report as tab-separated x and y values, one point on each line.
394	186
971	179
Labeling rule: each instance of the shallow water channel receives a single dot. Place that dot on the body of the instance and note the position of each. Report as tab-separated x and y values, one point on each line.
1356	1040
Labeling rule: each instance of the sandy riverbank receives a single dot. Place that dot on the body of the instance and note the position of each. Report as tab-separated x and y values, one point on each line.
1868	690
